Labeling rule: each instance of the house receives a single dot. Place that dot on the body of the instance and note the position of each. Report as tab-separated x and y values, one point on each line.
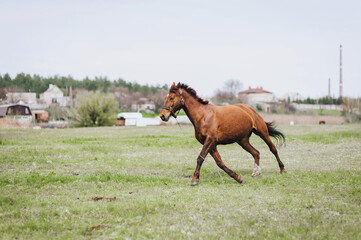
258	98
54	95
17	112
143	104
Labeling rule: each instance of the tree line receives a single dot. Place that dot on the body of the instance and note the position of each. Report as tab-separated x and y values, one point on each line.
323	100
35	83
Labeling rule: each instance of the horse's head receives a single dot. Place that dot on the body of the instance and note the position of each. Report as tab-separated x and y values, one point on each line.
173	102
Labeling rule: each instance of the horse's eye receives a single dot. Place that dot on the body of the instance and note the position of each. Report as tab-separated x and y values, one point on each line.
171	99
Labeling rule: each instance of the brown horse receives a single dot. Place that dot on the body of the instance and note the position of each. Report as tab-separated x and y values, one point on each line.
216	125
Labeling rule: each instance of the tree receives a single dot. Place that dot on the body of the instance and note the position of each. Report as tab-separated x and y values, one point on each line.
95	109
352	109
232	86
229	93
158	99
27	83
223	98
2	94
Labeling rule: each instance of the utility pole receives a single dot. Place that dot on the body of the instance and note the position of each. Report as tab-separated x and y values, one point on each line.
329	88
341	71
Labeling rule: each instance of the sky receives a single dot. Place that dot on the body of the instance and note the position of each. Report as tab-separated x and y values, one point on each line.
283	46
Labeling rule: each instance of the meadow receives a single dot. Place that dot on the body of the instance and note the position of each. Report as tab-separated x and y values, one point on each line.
134	183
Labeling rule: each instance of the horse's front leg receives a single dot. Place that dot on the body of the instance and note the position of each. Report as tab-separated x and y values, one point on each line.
215	154
206	147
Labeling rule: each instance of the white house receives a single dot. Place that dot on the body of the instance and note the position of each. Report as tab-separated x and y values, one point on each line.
258	96
143	104
54	95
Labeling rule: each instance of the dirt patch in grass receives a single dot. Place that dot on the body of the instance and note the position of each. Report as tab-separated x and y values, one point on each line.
97	227
95	199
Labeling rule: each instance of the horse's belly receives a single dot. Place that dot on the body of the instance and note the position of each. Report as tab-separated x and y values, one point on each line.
233	131
231	137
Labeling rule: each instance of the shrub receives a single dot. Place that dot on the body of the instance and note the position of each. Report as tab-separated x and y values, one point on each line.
94	109
259	108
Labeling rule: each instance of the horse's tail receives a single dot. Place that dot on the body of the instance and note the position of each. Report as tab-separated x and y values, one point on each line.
273	132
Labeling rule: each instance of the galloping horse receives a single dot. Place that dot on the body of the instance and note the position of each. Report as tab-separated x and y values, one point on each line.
216	125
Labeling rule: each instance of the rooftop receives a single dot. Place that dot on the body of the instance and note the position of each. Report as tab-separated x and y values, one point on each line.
254	91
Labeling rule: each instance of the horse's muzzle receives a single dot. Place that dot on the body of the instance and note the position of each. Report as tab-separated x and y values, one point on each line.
164	118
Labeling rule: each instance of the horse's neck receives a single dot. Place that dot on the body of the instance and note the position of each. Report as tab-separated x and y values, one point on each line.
193	108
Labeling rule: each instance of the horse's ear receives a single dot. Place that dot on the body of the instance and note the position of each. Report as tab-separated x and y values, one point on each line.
173	85
178	85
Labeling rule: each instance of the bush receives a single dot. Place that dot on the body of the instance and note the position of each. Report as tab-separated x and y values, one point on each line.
259	108
95	109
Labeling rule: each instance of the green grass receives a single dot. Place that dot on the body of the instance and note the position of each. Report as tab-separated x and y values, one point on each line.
328	138
48	178
327	112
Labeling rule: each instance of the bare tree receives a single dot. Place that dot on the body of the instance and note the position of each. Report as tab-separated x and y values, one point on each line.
121	95
223	98
13	97
229	93
232	86
158	99
2	94
352	109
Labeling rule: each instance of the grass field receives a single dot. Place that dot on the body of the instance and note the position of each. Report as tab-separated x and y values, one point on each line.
49	177
327	112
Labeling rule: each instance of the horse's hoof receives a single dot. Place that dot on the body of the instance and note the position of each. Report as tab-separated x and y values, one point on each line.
283	171
194	182
240	179
256	172
256	175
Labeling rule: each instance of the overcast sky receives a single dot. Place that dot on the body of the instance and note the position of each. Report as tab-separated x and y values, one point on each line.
284	46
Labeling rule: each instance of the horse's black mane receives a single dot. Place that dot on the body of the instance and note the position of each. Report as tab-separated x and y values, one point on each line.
189	90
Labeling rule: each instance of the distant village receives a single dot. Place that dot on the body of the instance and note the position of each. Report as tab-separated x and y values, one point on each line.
26	108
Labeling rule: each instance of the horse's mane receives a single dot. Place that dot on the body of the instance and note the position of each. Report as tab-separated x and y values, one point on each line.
174	88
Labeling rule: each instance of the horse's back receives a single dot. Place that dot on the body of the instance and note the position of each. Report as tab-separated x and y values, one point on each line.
258	121
242	113
236	121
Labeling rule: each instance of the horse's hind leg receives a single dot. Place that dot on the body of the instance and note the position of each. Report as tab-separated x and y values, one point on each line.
215	154
244	143
273	149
